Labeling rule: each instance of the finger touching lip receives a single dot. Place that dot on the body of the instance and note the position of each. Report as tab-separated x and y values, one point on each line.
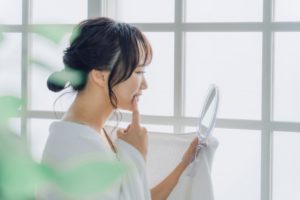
137	96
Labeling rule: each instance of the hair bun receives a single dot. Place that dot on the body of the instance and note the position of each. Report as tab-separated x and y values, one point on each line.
56	82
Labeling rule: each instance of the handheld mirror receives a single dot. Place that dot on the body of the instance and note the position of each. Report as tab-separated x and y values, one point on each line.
206	123
208	116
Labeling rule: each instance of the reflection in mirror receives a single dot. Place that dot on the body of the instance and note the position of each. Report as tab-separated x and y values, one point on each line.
208	115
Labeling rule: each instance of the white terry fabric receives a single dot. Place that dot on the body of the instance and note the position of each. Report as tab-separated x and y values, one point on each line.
136	185
166	151
68	141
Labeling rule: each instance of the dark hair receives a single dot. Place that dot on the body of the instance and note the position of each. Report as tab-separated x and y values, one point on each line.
101	44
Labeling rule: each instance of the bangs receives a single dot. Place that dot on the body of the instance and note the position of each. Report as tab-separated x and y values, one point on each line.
135	50
143	50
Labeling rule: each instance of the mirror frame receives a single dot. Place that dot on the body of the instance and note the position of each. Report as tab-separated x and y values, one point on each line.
213	93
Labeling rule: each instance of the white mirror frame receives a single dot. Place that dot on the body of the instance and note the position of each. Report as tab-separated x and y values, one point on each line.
212	94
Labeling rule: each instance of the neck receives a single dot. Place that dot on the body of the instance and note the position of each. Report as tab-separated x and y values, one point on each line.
90	109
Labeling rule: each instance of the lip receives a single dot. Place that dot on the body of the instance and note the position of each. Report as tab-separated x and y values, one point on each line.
139	94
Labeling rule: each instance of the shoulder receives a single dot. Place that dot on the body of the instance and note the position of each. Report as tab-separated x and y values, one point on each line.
68	141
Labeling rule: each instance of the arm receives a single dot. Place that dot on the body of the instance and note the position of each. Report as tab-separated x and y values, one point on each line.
164	188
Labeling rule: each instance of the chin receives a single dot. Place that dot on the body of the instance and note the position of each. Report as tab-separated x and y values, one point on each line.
129	109
126	107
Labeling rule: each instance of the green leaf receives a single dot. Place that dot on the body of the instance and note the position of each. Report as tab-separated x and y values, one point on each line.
90	178
1	37
9	107
75	34
54	33
20	176
42	65
74	77
1	34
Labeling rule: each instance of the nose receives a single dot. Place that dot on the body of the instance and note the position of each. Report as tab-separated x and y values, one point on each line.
144	84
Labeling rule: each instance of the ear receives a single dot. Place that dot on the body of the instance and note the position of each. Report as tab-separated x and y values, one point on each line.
100	78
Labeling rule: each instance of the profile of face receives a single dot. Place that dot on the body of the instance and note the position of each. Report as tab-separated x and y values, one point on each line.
127	90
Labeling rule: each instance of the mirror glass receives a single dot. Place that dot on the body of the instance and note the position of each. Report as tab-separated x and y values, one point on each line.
208	114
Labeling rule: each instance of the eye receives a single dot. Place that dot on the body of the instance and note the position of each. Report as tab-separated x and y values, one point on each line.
140	72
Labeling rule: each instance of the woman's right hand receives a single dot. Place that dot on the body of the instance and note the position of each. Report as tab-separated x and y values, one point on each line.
135	134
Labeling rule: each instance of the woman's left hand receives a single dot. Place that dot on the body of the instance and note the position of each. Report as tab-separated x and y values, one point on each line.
164	188
189	154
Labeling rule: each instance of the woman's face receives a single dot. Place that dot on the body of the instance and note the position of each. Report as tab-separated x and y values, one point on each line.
132	87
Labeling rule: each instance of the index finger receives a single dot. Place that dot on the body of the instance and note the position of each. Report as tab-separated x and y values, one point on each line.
135	113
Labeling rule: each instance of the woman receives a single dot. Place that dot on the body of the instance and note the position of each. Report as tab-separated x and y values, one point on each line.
105	65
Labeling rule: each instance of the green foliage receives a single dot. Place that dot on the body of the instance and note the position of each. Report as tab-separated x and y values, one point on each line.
9	107
20	175
93	177
41	64
75	77
53	33
1	34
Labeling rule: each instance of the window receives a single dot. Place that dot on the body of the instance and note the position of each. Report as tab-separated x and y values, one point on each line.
212	58
11	12
49	54
141	11
286	165
287	10
240	168
66	11
224	11
10	62
160	93
249	48
286	73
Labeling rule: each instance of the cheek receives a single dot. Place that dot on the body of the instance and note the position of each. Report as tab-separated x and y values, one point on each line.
126	90
125	93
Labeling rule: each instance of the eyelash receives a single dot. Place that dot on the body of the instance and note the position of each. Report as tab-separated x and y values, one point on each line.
141	72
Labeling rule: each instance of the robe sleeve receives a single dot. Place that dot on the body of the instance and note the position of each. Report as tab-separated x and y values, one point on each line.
135	183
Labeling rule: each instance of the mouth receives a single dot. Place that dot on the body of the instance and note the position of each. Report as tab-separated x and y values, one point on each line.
137	96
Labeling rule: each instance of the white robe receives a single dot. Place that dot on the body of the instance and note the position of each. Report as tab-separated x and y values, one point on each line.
166	151
68	141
